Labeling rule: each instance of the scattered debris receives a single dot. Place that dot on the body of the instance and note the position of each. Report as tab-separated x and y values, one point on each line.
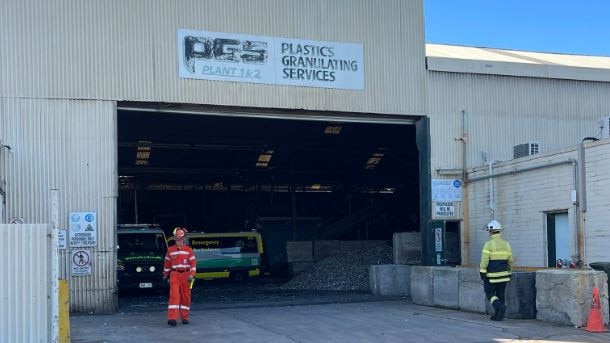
346	272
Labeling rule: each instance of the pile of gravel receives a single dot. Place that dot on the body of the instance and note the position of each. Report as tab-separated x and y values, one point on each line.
346	272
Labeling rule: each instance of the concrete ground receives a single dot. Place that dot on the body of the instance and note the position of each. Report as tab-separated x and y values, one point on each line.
396	320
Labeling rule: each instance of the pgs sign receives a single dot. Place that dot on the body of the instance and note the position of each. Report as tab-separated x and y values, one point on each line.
223	56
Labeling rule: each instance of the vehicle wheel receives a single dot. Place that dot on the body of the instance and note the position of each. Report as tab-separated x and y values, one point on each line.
239	276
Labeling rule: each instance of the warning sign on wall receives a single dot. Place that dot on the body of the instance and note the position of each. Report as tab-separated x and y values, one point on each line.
446	210
438	239
81	262
83	229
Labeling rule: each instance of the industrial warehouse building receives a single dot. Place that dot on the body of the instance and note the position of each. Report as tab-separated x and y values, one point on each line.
220	114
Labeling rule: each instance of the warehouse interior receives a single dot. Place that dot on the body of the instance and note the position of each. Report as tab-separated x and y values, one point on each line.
322	179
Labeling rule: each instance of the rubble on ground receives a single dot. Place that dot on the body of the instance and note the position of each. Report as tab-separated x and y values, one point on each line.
345	272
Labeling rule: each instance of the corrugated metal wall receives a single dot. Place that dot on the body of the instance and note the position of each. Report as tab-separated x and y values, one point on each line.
127	50
504	111
25	283
69	145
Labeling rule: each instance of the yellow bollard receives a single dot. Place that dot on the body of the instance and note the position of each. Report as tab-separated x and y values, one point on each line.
64	312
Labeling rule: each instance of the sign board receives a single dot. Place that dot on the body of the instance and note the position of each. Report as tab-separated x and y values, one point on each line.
445	209
81	262
61	239
83	229
438	239
223	56
446	190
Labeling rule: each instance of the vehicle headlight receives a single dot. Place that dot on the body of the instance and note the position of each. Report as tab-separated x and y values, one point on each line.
152	269
138	269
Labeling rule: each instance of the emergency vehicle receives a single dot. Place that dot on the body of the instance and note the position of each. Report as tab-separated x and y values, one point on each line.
140	254
228	255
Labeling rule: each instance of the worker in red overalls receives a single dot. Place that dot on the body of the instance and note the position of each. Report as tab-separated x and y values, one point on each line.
180	267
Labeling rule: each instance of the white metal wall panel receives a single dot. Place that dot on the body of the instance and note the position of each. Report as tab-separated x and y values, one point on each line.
597	217
521	201
503	111
25	283
69	145
127	50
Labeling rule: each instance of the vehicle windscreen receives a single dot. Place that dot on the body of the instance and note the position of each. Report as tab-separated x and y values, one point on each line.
141	242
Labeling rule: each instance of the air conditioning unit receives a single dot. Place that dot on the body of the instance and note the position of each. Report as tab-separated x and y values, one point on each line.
526	149
604	124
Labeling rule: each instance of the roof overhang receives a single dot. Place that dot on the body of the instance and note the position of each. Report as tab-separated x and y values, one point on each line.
457	65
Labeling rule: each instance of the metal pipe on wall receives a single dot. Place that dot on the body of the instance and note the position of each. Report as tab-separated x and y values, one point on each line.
54	266
512	172
465	232
492	205
578	225
581	196
2	182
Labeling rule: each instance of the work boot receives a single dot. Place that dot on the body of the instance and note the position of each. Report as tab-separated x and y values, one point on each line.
496	306
172	322
501	312
185	321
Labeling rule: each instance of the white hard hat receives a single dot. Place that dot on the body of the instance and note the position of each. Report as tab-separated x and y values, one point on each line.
493	225
179	233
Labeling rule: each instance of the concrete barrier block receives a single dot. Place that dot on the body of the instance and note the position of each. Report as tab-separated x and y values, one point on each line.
390	279
299	251
521	296
471	294
422	285
376	244
297	268
446	287
351	246
406	247
564	295
325	248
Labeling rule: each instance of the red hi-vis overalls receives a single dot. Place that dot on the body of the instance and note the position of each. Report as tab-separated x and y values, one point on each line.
179	264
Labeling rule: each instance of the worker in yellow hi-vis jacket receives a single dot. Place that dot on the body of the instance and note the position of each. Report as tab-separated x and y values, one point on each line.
495	269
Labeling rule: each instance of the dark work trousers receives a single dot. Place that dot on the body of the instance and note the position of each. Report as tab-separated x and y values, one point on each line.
494	291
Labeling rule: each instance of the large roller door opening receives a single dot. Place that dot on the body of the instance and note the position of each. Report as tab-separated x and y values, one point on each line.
314	190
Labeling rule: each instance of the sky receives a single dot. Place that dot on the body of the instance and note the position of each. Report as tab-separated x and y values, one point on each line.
558	26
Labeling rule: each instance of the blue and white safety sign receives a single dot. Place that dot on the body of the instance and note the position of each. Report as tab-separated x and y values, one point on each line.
83	229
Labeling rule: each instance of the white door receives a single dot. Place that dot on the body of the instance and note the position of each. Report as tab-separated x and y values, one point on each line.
562	237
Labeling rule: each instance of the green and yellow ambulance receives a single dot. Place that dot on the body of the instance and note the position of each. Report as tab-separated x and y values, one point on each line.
228	255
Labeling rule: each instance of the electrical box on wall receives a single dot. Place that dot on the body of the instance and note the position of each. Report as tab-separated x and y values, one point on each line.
604	124
526	149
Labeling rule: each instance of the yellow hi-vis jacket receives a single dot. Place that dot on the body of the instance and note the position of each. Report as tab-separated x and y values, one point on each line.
497	259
